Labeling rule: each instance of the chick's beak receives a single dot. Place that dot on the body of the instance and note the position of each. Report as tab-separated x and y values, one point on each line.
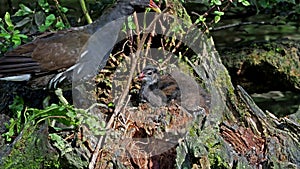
141	76
153	6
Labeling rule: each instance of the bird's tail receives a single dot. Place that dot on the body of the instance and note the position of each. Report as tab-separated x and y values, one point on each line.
17	68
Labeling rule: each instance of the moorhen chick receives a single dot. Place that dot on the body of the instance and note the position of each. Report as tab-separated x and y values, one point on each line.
53	54
160	90
157	90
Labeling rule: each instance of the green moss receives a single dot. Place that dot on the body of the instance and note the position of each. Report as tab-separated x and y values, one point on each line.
31	151
281	58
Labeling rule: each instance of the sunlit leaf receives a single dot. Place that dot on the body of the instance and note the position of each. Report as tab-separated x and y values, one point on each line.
44	4
217	18
5	35
8	20
60	25
64	9
50	19
219	13
25	9
244	2
131	24
216	2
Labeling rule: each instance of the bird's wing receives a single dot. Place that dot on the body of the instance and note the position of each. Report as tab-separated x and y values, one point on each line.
169	87
44	54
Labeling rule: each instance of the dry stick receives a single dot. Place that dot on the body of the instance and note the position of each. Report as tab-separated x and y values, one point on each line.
123	47
131	36
244	23
147	50
148	45
98	146
173	51
128	99
136	22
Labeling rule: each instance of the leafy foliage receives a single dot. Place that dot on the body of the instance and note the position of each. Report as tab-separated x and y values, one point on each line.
15	124
209	13
63	113
27	20
33	143
11	36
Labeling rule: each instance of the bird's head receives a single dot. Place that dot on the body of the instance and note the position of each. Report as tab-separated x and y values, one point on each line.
144	4
149	75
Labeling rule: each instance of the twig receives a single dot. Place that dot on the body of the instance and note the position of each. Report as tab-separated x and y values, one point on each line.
244	23
123	47
85	12
136	22
124	122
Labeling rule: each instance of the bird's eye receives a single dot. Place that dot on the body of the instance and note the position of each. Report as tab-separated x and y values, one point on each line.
149	73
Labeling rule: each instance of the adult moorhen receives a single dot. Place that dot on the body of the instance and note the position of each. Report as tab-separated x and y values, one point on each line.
55	53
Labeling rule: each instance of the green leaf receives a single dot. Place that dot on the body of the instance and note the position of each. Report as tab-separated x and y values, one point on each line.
5	35
44	4
219	13
10	28
102	124
111	104
17	105
16	32
48	22
61	108
264	3
60	25
23	36
20	12
50	19
43	28
64	9
11	129
217	18
244	2
71	114
200	19
16	40
216	2
8	20
25	9
131	24
60	143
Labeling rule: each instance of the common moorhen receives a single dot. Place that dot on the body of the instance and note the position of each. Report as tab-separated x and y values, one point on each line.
156	89
160	90
55	52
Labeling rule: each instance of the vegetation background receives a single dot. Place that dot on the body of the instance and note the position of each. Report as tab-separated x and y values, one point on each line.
258	42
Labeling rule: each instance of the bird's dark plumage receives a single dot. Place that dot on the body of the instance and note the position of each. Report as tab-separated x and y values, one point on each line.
56	52
160	90
156	89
